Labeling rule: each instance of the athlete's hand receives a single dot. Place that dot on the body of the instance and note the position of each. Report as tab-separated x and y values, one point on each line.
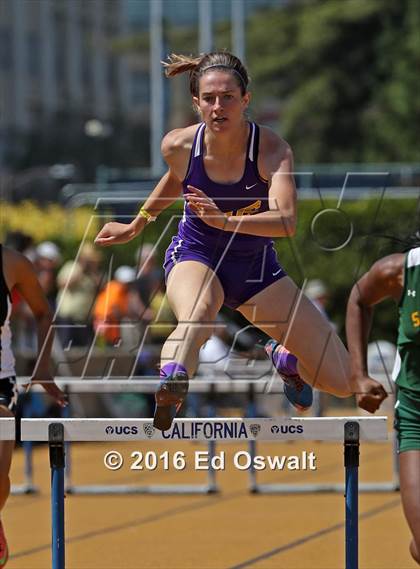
369	393
114	233
47	382
205	208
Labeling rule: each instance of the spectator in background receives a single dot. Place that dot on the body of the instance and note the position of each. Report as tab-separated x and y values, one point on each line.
215	352
22	323
47	261
317	292
21	242
118	302
78	283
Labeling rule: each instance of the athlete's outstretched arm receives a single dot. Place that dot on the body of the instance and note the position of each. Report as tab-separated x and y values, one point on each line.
383	280
166	192
26	281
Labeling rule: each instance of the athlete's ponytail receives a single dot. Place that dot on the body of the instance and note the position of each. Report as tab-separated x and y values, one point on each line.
198	66
177	64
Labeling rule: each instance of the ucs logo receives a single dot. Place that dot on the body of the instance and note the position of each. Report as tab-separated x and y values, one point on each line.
287	429
121	430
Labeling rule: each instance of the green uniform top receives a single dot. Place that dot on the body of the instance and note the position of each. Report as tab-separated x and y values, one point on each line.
407	365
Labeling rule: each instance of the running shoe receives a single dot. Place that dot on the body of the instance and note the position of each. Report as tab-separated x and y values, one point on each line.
4	550
169	398
299	393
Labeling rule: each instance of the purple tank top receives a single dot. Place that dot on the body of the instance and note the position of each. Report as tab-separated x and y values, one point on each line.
246	197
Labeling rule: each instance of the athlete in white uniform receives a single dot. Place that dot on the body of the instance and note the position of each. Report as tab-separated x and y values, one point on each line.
17	271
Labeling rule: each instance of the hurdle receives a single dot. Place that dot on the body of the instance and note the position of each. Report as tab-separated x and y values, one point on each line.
349	430
282	488
250	387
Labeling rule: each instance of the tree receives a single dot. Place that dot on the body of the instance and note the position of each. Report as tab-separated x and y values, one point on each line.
344	75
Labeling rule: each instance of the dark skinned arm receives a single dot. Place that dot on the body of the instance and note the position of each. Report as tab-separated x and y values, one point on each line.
383	280
26	281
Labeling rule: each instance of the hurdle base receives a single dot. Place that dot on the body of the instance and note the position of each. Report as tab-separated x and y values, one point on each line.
20	489
152	489
373	487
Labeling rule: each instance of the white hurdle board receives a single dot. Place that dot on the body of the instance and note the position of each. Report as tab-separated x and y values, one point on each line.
150	385
7	429
211	429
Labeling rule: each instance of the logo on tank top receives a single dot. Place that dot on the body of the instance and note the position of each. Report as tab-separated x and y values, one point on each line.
411	292
250	187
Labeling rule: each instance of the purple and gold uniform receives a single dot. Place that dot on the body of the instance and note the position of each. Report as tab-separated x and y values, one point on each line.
244	264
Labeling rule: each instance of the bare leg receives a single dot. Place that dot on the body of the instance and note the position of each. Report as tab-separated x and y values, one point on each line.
283	312
196	296
410	496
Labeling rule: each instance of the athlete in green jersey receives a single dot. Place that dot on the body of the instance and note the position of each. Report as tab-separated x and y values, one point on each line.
407	366
397	277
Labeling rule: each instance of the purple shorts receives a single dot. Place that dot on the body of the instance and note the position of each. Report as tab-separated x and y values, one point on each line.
242	275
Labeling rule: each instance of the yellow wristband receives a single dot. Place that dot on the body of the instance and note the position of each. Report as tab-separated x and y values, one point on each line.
146	215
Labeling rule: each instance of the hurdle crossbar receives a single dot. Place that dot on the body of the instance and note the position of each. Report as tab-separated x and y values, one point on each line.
7	429
149	386
216	429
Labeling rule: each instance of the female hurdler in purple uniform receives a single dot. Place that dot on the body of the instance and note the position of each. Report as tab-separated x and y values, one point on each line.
239	193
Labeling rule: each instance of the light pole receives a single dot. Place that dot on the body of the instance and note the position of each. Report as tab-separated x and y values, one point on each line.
157	106
99	131
238	28
205	26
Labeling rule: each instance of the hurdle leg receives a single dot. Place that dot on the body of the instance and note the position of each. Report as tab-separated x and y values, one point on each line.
251	411
211	474
65	414
28	486
57	463
351	463
27	449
